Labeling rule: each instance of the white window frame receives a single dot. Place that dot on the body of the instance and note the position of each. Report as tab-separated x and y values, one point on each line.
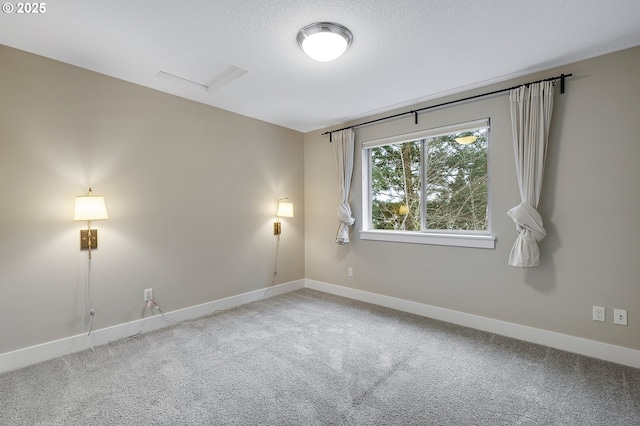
474	239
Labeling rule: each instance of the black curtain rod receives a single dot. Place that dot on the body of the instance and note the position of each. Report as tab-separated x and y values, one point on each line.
561	77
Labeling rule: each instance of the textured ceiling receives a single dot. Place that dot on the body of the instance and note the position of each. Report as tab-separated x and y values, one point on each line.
404	51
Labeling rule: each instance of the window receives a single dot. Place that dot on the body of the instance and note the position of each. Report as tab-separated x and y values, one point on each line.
429	187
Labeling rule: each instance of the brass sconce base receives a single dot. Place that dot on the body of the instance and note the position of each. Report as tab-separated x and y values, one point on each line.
277	228
84	239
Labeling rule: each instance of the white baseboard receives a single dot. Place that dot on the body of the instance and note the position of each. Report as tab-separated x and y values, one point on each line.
578	345
46	351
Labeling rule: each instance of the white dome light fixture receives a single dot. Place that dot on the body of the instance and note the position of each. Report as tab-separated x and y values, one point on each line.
324	41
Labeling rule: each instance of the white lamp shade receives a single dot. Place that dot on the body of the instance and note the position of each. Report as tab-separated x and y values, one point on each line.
285	209
90	207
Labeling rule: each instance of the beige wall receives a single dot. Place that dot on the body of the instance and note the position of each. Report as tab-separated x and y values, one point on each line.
590	203
191	193
168	169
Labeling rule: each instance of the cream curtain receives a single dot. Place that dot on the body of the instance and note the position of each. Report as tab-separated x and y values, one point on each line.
343	144
531	109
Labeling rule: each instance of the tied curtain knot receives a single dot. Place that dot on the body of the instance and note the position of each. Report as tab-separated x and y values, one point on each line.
344	214
525	252
346	220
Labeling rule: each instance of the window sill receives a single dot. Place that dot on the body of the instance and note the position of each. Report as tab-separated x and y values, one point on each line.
441	239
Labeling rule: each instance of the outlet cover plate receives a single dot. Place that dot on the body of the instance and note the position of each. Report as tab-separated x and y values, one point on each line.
620	316
599	313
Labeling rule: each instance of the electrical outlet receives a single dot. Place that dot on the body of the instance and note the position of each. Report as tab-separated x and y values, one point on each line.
598	313
148	294
620	316
350	272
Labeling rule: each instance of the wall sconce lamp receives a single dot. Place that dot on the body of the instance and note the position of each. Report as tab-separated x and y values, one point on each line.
89	207
285	209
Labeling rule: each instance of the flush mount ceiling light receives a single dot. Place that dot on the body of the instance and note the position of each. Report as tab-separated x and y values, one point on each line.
324	41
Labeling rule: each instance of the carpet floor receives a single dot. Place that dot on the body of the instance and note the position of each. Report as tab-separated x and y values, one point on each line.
309	358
